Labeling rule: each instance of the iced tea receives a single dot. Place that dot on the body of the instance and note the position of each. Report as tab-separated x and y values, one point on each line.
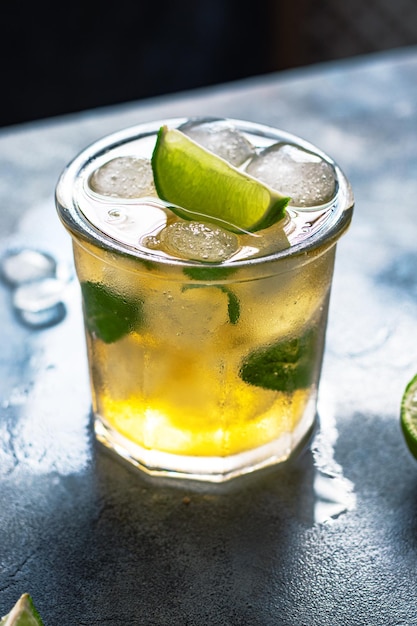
204	342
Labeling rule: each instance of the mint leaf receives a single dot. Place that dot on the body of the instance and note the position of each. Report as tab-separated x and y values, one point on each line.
233	305
109	316
208	273
284	366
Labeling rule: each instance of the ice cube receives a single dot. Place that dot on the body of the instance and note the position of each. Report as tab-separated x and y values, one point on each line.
307	178
25	265
124	177
198	241
222	138
40	303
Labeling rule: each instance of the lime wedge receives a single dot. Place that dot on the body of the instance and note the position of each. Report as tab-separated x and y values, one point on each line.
22	614
210	189
409	415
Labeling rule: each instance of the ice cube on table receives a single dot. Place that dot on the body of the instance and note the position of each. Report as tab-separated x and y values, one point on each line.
40	303
26	265
221	138
124	177
197	241
307	178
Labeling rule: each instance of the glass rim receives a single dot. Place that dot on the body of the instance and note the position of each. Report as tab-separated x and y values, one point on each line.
80	227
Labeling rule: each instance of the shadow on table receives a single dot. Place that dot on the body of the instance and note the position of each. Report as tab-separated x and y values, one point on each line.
200	548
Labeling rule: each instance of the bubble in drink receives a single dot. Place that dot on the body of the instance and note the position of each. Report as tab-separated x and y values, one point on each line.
115	216
307	178
26	265
198	241
222	139
124	177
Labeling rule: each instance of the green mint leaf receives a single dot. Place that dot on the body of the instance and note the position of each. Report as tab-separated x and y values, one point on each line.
233	306
284	366
109	316
208	273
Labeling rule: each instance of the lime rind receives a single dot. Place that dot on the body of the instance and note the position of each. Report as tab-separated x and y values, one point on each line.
23	613
203	184
409	415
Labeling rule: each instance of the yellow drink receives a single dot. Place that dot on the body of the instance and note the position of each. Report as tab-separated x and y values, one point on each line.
199	369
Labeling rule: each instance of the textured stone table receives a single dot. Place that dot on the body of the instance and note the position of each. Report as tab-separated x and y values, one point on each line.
329	539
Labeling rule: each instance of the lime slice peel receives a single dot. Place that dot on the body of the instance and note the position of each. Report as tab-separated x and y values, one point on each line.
203	184
409	415
23	613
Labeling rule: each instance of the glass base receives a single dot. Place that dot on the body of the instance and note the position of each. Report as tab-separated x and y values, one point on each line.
206	468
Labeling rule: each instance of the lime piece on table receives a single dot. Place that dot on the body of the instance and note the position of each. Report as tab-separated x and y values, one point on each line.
210	189
22	614
409	415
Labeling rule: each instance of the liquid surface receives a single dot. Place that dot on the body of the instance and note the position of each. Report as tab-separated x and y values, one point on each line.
116	194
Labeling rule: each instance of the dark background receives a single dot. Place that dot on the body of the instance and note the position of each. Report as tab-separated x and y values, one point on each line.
65	57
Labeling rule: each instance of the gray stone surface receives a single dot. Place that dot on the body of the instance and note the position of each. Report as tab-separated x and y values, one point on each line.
330	538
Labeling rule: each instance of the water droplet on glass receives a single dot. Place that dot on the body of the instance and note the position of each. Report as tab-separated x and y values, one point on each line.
26	265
